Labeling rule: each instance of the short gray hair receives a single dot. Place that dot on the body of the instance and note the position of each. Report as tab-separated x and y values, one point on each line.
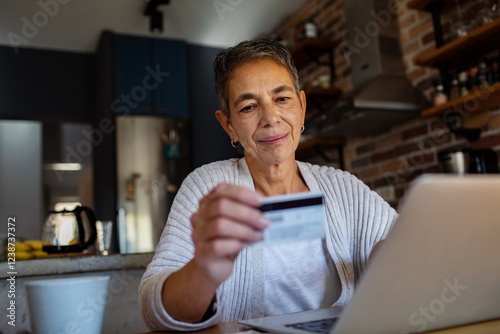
228	60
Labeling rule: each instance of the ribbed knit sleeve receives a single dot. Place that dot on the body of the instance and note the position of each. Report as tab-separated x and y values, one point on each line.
175	249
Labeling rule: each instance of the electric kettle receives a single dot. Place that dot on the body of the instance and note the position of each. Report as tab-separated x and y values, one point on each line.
66	231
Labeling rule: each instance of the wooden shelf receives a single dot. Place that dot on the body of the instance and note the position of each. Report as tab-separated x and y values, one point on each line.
457	52
424	4
321	140
484	99
477	42
303	50
323	92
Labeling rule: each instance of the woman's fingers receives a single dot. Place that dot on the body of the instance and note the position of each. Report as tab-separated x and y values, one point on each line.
233	192
232	202
226	228
223	207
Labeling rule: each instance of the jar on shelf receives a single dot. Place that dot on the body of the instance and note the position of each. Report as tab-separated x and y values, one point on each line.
306	29
460	26
324	81
488	12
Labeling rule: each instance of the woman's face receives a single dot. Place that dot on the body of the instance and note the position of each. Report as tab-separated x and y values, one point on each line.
266	113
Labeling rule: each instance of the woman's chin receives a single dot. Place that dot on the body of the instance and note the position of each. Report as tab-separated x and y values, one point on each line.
276	158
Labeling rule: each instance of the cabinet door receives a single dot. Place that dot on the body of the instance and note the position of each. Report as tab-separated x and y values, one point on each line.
170	66
134	84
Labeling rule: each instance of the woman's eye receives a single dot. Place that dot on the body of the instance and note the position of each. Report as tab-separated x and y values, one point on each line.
247	108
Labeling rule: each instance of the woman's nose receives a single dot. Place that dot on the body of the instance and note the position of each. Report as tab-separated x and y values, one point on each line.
270	114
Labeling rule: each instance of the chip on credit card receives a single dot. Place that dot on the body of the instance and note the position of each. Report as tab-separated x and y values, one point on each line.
293	217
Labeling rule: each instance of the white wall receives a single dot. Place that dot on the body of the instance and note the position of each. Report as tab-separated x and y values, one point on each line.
76	25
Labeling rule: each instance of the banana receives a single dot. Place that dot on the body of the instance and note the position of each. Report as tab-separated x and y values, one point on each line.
39	253
34	244
22	247
22	255
30	249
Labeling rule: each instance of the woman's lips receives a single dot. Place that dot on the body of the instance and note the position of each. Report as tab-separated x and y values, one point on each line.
274	140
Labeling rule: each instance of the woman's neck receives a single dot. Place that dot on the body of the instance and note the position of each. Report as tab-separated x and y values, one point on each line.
279	179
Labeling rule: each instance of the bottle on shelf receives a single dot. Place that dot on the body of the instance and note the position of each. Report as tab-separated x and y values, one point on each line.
495	70
462	81
482	74
489	62
472	85
454	87
439	94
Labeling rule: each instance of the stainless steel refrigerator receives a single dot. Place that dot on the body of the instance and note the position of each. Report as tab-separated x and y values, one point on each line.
153	157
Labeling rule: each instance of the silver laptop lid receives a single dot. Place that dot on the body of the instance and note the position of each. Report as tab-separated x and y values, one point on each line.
439	266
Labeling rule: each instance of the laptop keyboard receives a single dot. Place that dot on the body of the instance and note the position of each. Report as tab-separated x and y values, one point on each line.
316	326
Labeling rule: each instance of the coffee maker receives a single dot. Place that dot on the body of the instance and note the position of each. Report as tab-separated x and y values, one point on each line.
468	161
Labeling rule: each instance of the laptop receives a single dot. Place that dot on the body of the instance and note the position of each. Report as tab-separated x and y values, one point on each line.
438	268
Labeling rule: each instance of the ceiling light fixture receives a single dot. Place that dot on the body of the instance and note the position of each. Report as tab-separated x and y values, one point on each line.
156	17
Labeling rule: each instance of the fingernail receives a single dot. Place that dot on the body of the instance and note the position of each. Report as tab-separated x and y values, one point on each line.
264	221
258	199
259	235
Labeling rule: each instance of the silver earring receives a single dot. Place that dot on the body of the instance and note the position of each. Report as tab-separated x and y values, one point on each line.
302	128
235	145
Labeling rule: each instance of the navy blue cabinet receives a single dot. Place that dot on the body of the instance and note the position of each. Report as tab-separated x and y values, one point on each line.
134	76
150	76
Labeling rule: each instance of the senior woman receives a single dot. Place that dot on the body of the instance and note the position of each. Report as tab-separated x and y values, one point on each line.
203	272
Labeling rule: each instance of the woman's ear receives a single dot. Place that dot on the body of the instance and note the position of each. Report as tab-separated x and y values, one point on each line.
226	125
303	105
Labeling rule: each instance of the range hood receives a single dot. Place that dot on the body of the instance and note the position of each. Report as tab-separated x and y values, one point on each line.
383	96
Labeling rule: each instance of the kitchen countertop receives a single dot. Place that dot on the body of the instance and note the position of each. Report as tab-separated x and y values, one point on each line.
77	264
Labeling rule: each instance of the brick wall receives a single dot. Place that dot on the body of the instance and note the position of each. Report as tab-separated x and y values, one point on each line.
410	149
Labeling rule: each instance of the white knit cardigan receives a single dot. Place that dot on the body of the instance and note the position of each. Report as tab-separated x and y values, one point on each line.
356	218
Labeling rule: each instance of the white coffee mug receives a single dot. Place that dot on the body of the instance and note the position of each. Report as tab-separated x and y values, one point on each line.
67	305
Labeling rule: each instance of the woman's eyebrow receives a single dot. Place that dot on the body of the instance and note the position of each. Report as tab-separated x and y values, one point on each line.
243	97
282	88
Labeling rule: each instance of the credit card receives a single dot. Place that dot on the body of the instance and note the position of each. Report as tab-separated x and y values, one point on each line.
293	217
